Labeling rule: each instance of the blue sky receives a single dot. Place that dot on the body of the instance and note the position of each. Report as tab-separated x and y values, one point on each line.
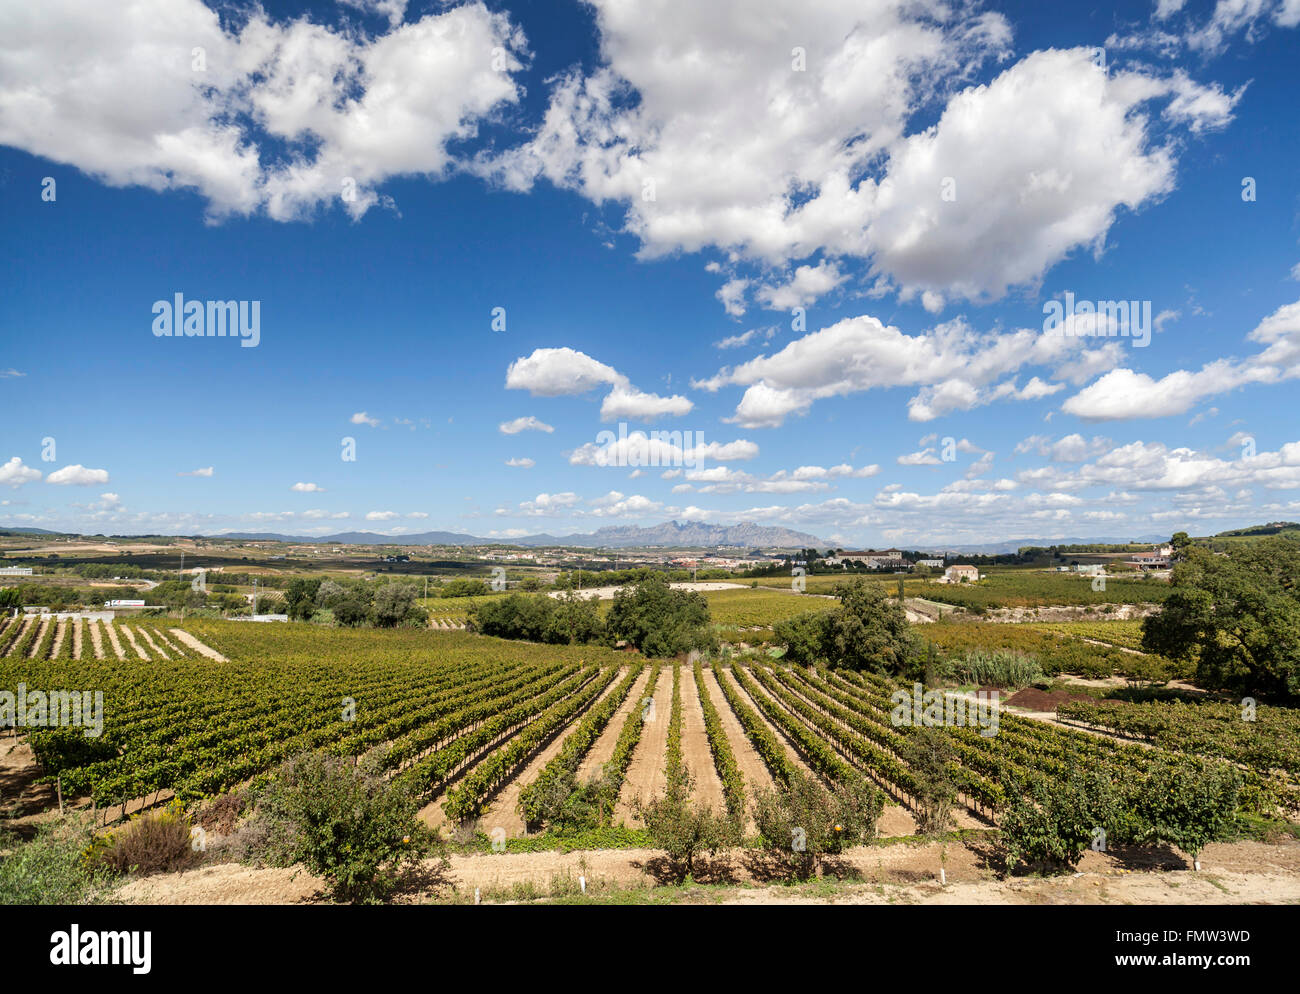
651	196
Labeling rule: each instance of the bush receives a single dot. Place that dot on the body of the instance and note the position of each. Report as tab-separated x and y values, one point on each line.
682	831
1052	826
558	800
801	822
152	842
348	824
930	755
221	814
1188	806
50	869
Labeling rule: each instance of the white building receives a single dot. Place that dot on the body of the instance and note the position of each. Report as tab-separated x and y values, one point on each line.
961	574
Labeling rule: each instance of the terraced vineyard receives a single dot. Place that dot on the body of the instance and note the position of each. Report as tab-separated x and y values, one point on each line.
461	717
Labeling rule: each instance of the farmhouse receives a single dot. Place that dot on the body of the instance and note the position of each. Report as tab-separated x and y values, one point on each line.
1158	558
889	559
961	574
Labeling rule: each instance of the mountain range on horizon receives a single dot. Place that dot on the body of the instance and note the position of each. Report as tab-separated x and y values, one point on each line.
669	534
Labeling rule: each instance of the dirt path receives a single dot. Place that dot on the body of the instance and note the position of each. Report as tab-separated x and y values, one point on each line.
78	638
59	635
501	812
30	620
151	643
95	639
130	637
1234	873
189	640
603	747
696	753
110	630
40	636
781	737
645	774
166	644
752	768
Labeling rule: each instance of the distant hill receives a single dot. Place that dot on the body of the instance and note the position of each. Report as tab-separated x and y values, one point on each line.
674	534
1261	531
361	538
671	534
1016	544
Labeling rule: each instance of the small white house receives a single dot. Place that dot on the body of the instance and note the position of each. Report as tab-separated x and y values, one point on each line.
961	574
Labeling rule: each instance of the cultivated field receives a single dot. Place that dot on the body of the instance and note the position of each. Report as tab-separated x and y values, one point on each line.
467	721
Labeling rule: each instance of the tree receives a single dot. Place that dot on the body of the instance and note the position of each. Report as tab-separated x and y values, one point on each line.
801	822
805	637
1052	824
867	631
575	620
394	605
1189	806
352	610
659	620
928	752
300	595
10	598
1180	542
514	616
1238	614
329	594
353	826
683	831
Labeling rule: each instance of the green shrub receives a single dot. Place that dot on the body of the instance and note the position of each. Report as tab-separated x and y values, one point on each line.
348	824
929	754
684	831
1050	827
50	869
804	636
1189	805
801	822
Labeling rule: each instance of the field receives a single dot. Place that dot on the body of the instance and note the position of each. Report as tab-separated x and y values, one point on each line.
469	721
1004	588
1088	649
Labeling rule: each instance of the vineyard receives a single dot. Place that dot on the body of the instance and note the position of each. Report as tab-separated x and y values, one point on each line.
459	718
1070	647
1003	589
